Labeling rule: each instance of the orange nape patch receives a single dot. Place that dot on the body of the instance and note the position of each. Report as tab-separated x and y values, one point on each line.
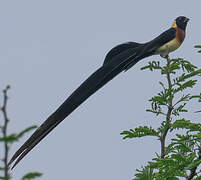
174	25
180	35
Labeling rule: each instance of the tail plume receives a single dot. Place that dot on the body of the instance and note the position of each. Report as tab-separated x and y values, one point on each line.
115	62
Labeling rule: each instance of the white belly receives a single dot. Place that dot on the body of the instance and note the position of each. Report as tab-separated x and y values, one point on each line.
168	47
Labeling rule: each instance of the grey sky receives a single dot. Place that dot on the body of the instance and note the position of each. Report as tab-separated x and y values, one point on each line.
47	48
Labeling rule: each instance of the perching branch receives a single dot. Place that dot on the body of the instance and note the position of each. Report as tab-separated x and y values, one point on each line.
170	108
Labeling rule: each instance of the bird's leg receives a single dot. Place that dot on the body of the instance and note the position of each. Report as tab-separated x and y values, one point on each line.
167	56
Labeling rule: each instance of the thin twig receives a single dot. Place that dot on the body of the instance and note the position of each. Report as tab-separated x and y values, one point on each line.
4	130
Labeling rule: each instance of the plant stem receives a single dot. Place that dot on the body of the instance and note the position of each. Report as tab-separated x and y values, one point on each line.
4	130
170	108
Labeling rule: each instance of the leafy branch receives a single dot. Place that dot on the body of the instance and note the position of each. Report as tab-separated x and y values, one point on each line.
181	157
8	139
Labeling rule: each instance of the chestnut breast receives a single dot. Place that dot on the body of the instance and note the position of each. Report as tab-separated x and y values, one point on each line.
180	35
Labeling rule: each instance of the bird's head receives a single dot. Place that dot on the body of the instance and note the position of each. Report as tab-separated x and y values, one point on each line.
180	22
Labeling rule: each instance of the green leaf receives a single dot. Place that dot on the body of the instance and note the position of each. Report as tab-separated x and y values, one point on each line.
178	157
185	65
168	167
152	65
197	46
174	66
184	98
186	124
140	132
11	138
182	148
177	64
196	97
162	97
15	137
188	84
176	111
31	175
144	174
194	164
192	74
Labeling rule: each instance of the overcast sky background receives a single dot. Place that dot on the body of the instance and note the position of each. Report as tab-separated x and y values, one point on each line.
48	48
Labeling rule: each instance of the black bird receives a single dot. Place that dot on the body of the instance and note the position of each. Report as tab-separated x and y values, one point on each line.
120	58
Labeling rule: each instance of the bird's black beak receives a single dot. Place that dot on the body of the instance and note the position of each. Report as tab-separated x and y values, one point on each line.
186	20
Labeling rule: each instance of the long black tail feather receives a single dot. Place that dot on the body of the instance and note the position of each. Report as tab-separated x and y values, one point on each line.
99	78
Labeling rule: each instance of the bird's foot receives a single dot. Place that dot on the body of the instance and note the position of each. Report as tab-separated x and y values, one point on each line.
166	56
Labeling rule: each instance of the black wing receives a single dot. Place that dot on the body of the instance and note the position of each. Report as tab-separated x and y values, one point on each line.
151	47
119	49
162	39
